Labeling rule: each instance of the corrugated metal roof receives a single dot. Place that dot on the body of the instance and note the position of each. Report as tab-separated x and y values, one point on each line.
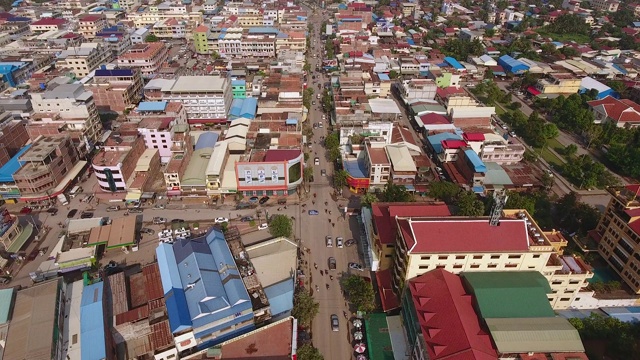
6	297
117	292
13	165
137	290
153	282
152	106
161	336
134	315
92	323
540	335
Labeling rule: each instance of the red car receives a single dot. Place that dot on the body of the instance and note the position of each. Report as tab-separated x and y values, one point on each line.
26	210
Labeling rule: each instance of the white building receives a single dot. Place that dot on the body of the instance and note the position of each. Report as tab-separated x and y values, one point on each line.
83	59
206	98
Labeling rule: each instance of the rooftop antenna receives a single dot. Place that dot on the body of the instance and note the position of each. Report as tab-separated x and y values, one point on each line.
500	199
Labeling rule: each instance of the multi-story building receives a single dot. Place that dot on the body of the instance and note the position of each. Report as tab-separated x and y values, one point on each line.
12	235
461	244
47	24
50	164
117	38
75	4
90	25
559	83
115	164
69	108
257	42
158	109
13	136
83	59
618	234
378	164
116	89
170	29
181	150
201	39
147	57
206	98
151	15
276	172
605	5
157	133
127	5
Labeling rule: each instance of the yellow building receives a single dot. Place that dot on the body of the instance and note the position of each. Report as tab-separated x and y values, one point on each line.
618	234
409	240
561	83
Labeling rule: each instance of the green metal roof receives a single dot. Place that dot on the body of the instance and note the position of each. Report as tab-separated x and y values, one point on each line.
540	335
378	339
6	301
510	294
17	244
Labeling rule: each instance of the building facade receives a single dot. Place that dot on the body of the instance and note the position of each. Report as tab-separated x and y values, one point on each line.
206	98
270	173
116	90
148	58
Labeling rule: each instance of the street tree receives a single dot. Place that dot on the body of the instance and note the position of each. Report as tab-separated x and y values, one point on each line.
305	308
360	293
393	74
332	141
308	352
334	154
571	150
395	193
469	204
367	199
444	190
340	178
151	38
517	200
280	226
308	173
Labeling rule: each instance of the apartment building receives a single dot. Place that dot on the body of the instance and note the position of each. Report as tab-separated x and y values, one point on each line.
157	133
90	25
74	4
47	24
605	5
116	38
235	43
116	89
181	151
412	89
201	40
128	5
83	59
292	40
618	234
148	58
501	152
115	164
151	15
170	29
461	244
206	98
49	165
66	108
378	164
558	83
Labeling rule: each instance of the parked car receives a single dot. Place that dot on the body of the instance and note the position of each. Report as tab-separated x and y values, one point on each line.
263	226
220	220
339	242
332	263
323	172
158	207
263	200
335	324
177	221
135	210
53	211
241	206
113	208
159	220
350	242
26	210
246	219
253	199
313	212
355	266
86	215
316	161
72	213
329	241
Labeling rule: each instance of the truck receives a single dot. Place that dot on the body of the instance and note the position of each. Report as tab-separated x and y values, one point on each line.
63	199
47	270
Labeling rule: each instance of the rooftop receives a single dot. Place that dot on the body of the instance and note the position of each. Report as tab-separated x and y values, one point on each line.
92	323
203	84
447	318
384	215
542	334
273	342
378	339
41	149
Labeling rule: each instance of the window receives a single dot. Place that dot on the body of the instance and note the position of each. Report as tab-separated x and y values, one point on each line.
536	256
425	257
565	299
475	266
492	266
477	257
515	256
426	267
493	257
457	266
440	266
442	257
460	257
511	266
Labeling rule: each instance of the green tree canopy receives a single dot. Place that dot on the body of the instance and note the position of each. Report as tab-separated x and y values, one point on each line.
308	352
332	141
521	201
360	293
340	178
569	24
469	204
620	338
305	308
151	38
444	190
395	193
280	225
367	199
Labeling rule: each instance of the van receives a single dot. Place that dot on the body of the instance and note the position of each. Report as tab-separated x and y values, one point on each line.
75	191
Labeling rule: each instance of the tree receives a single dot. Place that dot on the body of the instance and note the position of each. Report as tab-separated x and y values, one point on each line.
334	154
469	204
305	308
393	74
340	178
308	173
308	352
395	193
444	190
307	67
489	32
151	38
618	338
521	201
570	151
360	293
280	226
215	55
548	49
617	86
367	199
569	24
332	141
575	216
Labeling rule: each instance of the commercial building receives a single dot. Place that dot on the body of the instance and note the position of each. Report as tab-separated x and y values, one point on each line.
557	83
13	137
512	65
206	299
181	151
66	108
13	236
276	172
117	38
170	29
93	324
150	15
115	90
47	24
90	25
83	59
114	166
412	89
618	234
34	331
146	57
207	99
193	182
50	165
605	5
201	40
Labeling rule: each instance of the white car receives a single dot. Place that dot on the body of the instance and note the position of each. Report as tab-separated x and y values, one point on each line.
263	226
159	220
329	241
220	220
339	242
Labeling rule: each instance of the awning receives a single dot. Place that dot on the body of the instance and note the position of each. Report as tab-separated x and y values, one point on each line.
133	196
18	243
148	195
174	193
291	122
533	91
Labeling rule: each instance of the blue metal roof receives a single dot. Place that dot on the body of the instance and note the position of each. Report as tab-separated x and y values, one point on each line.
453	62
236	108
168	268
512	65
152	106
410	41
238	83
207	139
92	323
177	310
291	122
13	165
356	168
383	76
114	72
280	296
478	165
436	140
263	30
249	108
6	301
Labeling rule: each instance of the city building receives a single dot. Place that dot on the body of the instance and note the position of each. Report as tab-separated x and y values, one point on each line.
618	234
276	172
150	15
623	113
13	236
50	164
90	25
83	59
66	108
215	167
424	89
170	29
146	57
116	37
93	323
157	133
13	137
207	99
201	39
181	151
47	24
557	83
115	164
206	299
34	331
193	181
605	5
116	89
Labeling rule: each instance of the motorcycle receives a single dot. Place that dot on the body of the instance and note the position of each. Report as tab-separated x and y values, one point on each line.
317	288
315	266
327	286
321	272
330	277
343	313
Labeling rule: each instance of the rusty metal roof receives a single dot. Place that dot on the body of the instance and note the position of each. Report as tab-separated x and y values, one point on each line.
137	290
134	315
117	291
161	336
153	283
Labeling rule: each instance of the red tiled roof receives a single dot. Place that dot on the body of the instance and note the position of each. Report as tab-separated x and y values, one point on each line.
453	144
434	119
449	323
464	235
448	91
91	18
269	342
473	136
281	155
201	28
388	297
384	213
618	110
